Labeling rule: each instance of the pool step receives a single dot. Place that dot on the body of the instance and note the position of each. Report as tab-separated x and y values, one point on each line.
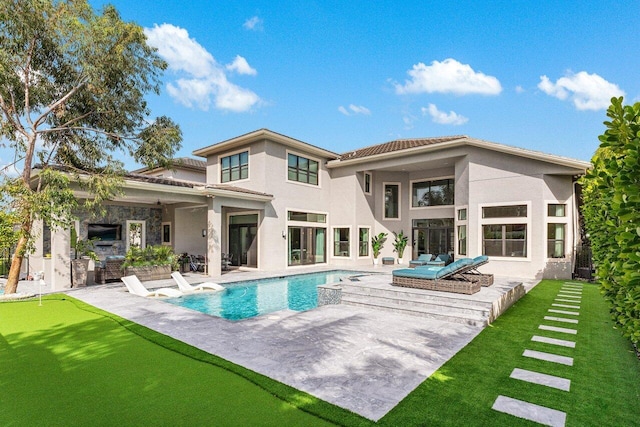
446	308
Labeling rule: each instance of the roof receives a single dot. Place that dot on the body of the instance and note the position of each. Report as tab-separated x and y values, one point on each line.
407	147
181	162
262	134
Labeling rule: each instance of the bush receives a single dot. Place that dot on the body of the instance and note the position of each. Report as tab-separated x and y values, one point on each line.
611	210
151	255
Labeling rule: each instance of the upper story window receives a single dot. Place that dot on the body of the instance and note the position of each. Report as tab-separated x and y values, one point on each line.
234	167
302	169
556	210
367	183
432	193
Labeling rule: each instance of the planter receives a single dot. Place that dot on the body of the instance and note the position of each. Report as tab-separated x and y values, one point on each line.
153	272
79	269
376	261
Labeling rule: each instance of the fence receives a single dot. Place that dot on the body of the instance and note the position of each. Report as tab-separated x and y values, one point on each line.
584	263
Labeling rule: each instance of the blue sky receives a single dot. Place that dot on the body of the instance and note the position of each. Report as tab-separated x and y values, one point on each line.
348	74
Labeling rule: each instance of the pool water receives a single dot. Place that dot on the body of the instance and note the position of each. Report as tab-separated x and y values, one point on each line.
243	300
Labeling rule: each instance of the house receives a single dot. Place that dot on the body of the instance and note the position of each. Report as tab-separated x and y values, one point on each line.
274	203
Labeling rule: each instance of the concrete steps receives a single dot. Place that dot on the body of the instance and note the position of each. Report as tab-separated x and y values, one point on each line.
429	304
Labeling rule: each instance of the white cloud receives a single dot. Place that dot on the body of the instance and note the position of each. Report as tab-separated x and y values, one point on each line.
354	109
448	76
201	77
253	24
520	89
241	66
586	91
437	116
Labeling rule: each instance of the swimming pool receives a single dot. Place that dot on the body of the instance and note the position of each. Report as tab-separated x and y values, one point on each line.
243	300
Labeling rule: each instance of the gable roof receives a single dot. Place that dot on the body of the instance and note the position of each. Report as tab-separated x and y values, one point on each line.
262	134
406	147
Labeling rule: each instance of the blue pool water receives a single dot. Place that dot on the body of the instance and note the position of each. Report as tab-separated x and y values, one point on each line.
246	299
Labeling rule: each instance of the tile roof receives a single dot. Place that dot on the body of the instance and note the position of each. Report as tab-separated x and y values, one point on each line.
191	184
397	145
180	162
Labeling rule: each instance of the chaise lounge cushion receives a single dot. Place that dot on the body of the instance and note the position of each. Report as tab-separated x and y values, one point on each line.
431	272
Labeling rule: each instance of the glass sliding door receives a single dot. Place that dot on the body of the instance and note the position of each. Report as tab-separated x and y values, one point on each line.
307	245
243	240
432	236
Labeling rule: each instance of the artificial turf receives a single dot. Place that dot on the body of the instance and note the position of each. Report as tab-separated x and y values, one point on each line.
68	363
605	376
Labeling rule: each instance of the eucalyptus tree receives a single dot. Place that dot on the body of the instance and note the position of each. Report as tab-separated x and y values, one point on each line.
73	83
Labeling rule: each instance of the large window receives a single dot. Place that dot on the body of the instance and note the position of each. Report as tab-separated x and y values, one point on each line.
506	240
341	242
301	169
306	238
391	201
234	167
432	193
514	211
363	241
555	240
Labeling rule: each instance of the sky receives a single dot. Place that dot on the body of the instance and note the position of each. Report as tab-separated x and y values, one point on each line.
343	75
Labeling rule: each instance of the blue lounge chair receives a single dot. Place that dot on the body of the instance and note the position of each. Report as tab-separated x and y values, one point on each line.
473	273
441	260
446	279
422	260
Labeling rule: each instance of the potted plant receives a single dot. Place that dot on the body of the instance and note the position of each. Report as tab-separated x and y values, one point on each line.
400	244
83	251
377	242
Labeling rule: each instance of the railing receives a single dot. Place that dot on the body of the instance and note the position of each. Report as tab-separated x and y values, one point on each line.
584	262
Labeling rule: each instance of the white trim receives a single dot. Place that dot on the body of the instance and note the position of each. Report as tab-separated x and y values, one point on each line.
229	154
305	156
170	242
364	183
333	242
384	187
411	182
506	221
368	256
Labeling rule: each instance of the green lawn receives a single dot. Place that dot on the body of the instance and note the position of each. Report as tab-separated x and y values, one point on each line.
67	363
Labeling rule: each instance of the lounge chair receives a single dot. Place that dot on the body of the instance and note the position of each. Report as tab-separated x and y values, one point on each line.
441	260
446	279
187	288
422	260
473	273
135	286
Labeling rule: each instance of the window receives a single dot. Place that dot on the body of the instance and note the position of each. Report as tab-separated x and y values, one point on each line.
234	167
556	210
392	201
166	233
367	183
555	240
301	169
507	240
432	193
516	211
462	215
307	217
363	242
462	239
341	242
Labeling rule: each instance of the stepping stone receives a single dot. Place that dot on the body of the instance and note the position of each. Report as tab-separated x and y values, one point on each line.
542	379
573	292
575	285
578	297
577	307
565	300
560	319
575	313
556	329
529	411
548	357
554	341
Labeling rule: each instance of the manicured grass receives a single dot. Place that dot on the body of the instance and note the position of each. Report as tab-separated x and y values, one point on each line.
67	363
605	376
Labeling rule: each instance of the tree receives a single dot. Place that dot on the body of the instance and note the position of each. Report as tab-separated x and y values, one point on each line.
611	193
72	99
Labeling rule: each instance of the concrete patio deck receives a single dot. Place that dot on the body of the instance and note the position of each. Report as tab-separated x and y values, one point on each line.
357	358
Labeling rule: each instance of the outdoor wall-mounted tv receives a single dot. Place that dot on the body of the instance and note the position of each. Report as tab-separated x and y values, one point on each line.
105	231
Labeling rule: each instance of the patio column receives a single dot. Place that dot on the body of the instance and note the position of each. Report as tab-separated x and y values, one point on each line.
60	276
214	237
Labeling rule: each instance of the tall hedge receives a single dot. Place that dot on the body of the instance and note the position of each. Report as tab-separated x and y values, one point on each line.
611	211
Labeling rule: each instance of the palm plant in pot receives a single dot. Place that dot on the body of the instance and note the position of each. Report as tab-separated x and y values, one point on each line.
377	242
399	244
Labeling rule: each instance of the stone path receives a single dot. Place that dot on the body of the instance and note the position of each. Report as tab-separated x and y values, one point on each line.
569	293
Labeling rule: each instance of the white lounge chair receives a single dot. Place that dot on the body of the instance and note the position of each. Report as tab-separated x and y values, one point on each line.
187	288
134	286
